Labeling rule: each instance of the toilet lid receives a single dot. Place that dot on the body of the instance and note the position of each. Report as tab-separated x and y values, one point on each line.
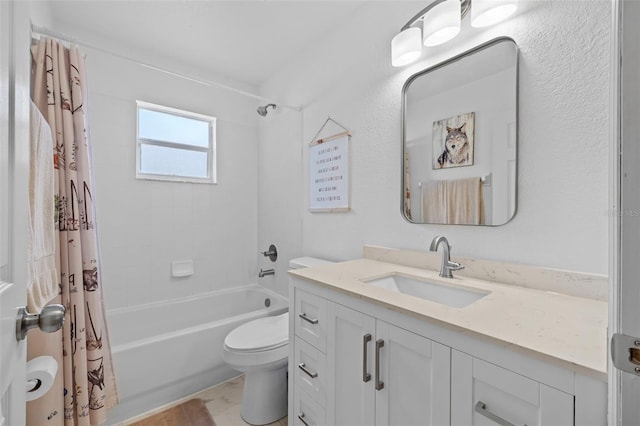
261	334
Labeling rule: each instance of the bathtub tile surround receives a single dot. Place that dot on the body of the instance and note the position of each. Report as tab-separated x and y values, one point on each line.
168	221
590	286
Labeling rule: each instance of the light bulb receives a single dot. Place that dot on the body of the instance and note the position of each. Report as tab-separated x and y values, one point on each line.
441	23
406	47
489	12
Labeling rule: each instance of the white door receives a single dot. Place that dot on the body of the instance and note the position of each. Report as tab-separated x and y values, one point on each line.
414	380
14	77
624	305
350	364
12	357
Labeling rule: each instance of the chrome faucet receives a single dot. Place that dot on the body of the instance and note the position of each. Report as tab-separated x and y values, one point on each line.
265	272
447	264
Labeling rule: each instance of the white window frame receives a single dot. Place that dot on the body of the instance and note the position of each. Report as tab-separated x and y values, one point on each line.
210	150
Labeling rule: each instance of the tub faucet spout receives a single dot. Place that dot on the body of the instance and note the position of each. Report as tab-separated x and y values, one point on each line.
266	272
447	264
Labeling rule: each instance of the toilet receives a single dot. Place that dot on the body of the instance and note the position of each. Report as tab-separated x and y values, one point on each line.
260	350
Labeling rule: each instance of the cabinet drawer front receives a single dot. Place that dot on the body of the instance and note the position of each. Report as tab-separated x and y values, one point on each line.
310	318
307	412
481	391
310	370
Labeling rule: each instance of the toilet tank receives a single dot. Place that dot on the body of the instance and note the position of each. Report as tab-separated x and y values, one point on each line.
307	262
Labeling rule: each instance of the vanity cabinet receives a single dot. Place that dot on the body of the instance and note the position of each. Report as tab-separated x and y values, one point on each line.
352	369
356	362
380	374
486	394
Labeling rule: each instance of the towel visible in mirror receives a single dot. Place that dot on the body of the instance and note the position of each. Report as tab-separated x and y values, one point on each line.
434	202
454	202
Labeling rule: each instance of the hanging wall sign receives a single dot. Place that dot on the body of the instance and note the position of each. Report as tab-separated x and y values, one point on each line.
329	174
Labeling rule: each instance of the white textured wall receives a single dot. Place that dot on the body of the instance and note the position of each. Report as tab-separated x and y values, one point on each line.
563	137
144	225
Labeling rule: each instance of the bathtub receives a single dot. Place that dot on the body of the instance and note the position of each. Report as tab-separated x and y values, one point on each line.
164	351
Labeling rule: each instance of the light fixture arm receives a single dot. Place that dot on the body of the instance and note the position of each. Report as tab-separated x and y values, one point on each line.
465	6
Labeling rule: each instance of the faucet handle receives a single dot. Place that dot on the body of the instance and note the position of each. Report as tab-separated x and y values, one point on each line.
272	253
454	266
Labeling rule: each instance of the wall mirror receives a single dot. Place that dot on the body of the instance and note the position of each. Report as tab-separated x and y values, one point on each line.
459	138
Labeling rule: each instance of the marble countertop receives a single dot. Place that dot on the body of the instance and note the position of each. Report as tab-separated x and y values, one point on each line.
571	330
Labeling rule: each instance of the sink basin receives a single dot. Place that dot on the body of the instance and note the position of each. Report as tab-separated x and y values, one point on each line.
447	294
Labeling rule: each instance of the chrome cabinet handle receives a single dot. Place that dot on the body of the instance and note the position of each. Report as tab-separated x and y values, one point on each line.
365	375
310	373
481	408
301	417
379	383
306	318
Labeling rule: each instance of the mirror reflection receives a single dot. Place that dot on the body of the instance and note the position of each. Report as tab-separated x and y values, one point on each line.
460	138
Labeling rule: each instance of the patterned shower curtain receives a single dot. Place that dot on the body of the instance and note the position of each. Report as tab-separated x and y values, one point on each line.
407	187
83	354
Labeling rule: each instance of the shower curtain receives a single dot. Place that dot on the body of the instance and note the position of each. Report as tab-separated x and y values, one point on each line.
407	187
86	388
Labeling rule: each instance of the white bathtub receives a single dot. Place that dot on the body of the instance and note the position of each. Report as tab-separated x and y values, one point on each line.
167	350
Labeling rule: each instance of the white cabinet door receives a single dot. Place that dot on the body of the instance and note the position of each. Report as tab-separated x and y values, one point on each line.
415	379
483	393
350	358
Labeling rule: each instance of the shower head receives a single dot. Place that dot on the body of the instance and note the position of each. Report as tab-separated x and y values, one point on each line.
262	110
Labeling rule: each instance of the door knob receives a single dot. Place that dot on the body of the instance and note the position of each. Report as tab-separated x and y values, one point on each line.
49	320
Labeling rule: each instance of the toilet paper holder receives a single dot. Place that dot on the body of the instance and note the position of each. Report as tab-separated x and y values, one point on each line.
41	374
49	320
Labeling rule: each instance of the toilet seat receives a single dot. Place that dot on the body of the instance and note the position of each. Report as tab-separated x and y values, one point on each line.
263	334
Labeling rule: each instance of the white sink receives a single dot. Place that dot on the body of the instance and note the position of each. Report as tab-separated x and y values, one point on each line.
447	294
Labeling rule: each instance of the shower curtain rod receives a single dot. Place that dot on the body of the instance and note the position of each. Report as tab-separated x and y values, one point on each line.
65	38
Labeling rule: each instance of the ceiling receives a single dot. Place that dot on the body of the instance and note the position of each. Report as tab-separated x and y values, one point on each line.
247	41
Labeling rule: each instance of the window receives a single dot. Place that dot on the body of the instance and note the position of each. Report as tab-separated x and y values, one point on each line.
175	145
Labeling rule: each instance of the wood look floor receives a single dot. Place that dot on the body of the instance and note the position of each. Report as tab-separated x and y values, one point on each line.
219	406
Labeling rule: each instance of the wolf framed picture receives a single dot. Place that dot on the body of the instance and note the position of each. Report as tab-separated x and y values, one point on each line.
453	141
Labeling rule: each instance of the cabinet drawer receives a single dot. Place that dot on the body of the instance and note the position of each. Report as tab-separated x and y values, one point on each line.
309	365
307	412
481	390
310	320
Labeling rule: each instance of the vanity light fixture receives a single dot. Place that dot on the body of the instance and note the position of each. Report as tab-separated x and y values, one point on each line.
489	12
406	47
441	21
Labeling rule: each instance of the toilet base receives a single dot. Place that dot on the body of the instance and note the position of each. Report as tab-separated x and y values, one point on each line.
264	399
